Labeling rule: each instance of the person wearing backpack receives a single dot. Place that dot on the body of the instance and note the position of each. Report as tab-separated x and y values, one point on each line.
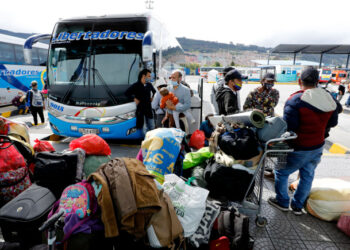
35	102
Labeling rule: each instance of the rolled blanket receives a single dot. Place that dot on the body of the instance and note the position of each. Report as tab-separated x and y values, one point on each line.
251	118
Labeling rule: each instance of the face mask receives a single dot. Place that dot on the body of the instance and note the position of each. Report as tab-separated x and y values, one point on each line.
174	83
268	85
148	79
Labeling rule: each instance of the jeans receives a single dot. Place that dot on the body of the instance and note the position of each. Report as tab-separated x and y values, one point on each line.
347	103
148	125
304	161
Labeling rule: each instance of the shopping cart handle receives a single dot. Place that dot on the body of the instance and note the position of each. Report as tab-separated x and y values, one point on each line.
289	135
51	221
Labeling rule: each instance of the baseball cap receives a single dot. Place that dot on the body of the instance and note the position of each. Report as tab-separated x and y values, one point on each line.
227	69
269	77
234	74
309	75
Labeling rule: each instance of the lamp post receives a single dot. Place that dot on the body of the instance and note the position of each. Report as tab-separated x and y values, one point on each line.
268	57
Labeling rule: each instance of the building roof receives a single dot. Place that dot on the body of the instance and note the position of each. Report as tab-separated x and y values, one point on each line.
312	48
286	62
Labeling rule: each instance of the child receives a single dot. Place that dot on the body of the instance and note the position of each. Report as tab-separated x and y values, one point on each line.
166	95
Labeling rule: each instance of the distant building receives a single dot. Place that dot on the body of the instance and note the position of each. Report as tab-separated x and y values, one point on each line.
285	63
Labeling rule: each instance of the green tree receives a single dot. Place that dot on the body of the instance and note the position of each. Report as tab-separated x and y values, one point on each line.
232	63
217	64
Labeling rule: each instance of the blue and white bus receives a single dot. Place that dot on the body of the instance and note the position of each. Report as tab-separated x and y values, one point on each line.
92	61
15	74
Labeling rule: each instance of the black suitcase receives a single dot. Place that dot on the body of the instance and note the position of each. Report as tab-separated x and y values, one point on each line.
21	217
55	170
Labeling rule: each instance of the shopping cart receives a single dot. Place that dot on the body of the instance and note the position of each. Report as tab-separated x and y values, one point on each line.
274	157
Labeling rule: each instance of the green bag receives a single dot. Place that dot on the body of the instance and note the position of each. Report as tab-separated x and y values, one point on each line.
196	158
93	162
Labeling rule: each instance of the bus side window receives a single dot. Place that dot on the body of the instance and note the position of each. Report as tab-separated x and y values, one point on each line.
7	53
19	54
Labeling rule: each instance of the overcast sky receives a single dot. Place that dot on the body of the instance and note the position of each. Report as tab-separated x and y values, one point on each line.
259	22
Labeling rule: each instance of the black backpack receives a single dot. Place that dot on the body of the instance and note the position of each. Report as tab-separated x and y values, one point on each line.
235	226
241	144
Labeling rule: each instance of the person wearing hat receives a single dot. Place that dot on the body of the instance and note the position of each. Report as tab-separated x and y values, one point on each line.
308	112
216	86
159	112
227	95
265	97
35	102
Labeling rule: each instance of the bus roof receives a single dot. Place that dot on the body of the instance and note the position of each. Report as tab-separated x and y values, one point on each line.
112	16
19	41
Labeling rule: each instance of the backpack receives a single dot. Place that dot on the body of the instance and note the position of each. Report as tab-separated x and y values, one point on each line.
235	226
241	144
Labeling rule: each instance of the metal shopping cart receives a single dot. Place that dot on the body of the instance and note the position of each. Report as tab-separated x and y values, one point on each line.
274	157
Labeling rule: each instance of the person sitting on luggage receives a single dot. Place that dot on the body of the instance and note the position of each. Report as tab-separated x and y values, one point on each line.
169	96
265	97
207	128
19	102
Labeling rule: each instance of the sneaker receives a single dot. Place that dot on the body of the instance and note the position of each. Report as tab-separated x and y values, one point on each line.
273	202
297	211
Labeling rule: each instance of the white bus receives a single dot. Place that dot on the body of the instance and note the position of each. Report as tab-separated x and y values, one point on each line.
15	74
92	62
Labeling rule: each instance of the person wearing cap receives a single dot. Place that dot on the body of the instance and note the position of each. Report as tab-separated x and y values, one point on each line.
182	93
308	112
216	86
35	102
159	112
265	97
226	95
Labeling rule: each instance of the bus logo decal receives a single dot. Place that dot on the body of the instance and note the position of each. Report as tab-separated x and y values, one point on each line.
97	35
57	107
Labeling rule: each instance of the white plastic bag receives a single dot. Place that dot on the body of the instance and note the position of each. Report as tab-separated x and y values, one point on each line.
189	202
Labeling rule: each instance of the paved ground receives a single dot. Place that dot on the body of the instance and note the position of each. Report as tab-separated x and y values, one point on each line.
284	230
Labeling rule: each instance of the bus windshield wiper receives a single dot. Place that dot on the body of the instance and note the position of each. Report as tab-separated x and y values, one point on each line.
104	84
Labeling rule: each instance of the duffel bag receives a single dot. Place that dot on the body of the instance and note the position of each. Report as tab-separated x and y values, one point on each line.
241	144
227	183
55	170
274	127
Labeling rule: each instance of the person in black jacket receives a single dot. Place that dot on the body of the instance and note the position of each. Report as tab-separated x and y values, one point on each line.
226	95
142	92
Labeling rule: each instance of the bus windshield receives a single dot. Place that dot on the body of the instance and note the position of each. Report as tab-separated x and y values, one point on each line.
95	68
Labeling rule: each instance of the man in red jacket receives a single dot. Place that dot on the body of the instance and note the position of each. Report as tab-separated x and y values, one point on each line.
310	113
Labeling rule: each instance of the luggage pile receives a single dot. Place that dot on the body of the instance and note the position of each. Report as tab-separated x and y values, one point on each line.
167	197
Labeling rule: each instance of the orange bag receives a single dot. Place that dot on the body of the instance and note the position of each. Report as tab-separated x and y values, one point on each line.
197	139
92	144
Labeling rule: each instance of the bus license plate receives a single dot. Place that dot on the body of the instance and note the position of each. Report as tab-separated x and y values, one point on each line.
88	131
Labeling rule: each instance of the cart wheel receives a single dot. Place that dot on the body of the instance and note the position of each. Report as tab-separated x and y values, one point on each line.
261	221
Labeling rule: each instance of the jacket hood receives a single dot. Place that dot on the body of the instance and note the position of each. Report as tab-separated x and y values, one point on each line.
320	99
221	91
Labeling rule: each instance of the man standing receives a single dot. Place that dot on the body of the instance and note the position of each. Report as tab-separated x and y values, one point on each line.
181	92
309	113
35	101
226	95
141	92
264	98
216	86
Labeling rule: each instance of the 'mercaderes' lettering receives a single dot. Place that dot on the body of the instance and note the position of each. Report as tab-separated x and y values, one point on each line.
96	35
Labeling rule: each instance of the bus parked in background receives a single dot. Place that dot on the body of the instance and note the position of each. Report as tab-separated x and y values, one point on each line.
339	75
92	62
325	75
15	74
203	71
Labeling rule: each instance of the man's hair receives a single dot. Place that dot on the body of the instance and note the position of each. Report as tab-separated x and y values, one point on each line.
164	91
309	76
143	72
178	71
34	83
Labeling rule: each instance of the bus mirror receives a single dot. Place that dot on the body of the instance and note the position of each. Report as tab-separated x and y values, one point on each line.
147	47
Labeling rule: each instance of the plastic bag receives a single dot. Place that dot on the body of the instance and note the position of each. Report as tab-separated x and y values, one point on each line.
92	144
41	146
189	202
197	139
344	223
10	158
196	158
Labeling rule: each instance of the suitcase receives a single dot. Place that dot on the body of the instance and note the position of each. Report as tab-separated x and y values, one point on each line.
21	217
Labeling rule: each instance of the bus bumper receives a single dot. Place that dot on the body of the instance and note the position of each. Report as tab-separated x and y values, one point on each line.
123	130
